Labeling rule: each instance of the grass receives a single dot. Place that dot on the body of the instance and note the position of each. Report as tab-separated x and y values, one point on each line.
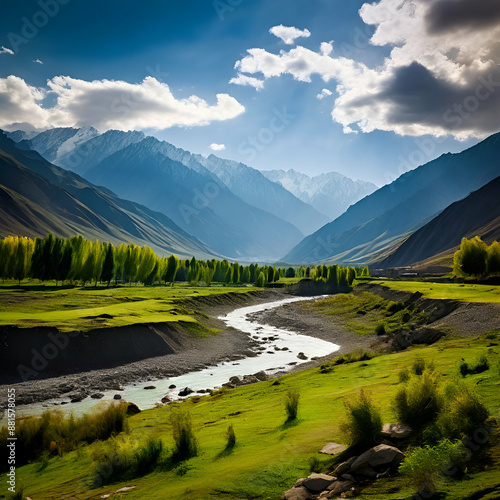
455	291
86	308
270	457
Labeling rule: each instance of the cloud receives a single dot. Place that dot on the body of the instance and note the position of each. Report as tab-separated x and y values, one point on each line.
37	61
324	93
217	147
442	76
5	50
289	34
247	80
108	104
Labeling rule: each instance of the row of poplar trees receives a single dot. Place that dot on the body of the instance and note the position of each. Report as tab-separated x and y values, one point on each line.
79	260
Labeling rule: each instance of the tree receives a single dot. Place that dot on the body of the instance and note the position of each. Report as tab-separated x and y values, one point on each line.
235	278
472	257
290	273
108	266
172	265
333	278
245	275
208	274
261	279
270	274
494	258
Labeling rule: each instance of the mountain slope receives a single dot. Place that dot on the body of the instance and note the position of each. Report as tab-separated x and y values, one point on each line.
196	200
331	193
37	197
257	190
476	215
388	215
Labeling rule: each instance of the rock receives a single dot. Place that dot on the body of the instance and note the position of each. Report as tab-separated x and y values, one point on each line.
426	336
166	399
338	487
285	349
97	395
301	355
396	431
150	387
367	471
76	398
332	449
117	396
299	482
262	375
172	386
344	467
317	483
250	379
347	477
133	409
185	392
299	493
381	455
235	381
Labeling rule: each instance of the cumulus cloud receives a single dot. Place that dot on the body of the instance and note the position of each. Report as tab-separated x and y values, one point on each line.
5	50
107	104
324	93
247	80
289	33
37	61
217	147
442	75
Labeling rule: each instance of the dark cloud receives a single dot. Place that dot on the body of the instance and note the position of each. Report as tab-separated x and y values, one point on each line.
450	15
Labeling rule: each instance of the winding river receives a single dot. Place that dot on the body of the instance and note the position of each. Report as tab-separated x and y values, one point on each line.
278	350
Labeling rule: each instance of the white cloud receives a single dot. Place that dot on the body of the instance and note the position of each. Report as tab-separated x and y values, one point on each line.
5	50
247	80
37	61
217	147
108	104
442	75
324	93
289	33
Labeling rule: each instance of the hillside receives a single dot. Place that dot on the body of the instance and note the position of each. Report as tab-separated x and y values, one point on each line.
476	215
37	197
387	216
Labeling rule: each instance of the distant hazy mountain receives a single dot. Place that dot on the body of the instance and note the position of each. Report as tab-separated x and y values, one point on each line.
195	199
330	194
476	215
392	212
37	197
19	135
257	190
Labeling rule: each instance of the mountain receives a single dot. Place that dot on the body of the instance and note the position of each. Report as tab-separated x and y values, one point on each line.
331	193
257	190
476	215
387	216
19	135
37	197
196	200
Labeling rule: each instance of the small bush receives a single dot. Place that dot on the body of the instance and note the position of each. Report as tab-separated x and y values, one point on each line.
404	375
292	405
424	467
420	365
112	462
315	464
419	402
481	366
147	457
380	329
185	441
364	423
394	307
463	368
231	438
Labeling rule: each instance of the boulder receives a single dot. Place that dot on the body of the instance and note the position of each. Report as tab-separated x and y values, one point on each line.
301	355
133	409
172	386
316	483
381	455
185	392
250	379
97	395
396	431
166	399
338	487
150	387
426	336
235	381
299	493
117	396
332	449
344	467
76	398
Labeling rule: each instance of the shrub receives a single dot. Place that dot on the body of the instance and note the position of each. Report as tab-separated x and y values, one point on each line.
423	467
146	458
419	402
231	438
481	366
404	375
185	441
380	329
419	365
112	462
292	405
394	307
463	368
315	464
364	423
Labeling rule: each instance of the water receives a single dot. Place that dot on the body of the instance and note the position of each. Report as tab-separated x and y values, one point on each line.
278	351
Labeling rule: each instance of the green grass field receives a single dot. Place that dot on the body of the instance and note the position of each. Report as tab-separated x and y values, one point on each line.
270	456
455	291
77	308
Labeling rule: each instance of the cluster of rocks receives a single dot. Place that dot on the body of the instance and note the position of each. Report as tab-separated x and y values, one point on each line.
246	380
344	481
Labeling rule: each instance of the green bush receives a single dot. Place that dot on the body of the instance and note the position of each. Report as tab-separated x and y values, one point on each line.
292	399
364	423
380	329
463	368
147	457
419	365
481	366
424	467
394	307
231	438
112	462
419	402
404	375
184	438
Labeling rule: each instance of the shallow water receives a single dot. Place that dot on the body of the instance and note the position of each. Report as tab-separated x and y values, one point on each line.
271	358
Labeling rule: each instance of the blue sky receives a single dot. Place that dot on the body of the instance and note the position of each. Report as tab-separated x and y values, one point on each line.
193	46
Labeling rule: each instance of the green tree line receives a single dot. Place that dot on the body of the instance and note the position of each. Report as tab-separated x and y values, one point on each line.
77	259
476	258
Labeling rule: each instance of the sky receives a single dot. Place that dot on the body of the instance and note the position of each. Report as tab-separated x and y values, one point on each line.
369	90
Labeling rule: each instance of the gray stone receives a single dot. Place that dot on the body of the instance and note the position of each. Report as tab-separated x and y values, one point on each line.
166	399
344	466
347	477
338	487
97	395
250	379
150	387
185	392
301	355
382	454
117	396
317	483
332	449
261	375
299	493
396	431
235	381
133	409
